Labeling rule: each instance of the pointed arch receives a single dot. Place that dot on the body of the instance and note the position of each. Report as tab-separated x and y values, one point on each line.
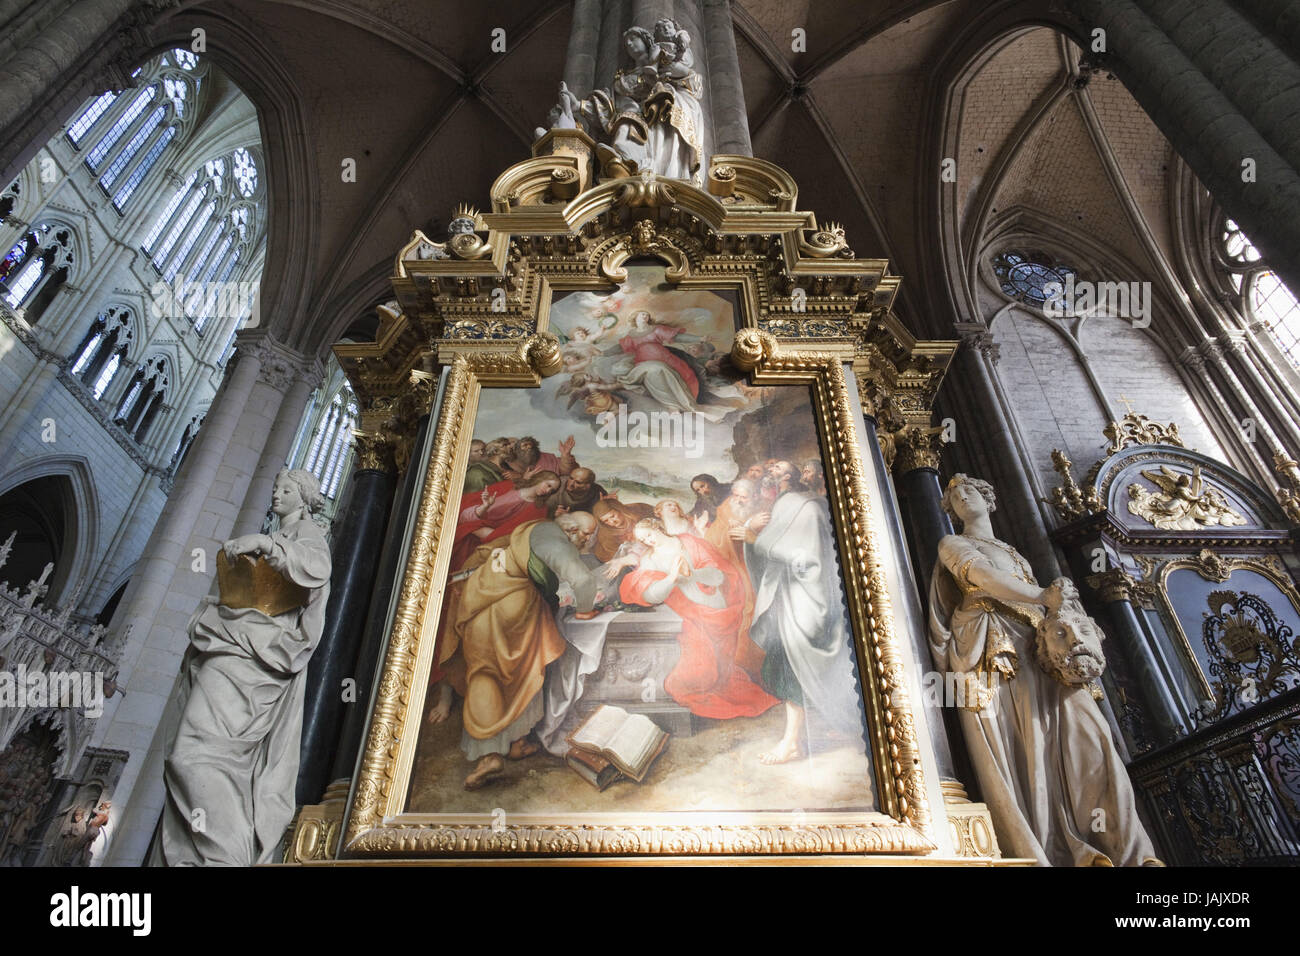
82	515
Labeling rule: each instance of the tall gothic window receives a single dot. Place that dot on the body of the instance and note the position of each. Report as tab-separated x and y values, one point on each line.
144	398
136	126
1024	275
208	229
1263	295
101	352
332	442
35	268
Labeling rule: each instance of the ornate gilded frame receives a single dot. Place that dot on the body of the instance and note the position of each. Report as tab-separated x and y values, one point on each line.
1211	566
743	235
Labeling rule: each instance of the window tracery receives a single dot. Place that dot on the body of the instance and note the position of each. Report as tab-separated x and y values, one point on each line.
1263	296
1024	275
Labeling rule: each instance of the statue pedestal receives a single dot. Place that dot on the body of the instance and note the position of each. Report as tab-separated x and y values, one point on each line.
970	824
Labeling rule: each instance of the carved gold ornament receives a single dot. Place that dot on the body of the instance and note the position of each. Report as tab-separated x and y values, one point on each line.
1136	429
1288	496
1184	502
1069	500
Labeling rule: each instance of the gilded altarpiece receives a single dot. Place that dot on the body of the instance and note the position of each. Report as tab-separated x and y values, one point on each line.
671	349
1195	567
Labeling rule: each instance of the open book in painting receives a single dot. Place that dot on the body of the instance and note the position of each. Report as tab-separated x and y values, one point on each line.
630	742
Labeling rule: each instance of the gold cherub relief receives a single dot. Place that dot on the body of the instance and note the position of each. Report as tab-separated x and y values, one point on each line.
1184	502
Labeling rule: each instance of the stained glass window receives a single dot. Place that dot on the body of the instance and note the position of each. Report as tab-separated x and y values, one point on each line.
1024	275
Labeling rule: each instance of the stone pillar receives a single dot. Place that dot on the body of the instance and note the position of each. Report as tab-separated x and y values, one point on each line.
296	379
730	118
358	537
388	571
1114	588
1223	92
175	574
584	38
46	62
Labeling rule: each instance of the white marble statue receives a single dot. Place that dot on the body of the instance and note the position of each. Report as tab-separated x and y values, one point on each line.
1040	746
235	724
649	118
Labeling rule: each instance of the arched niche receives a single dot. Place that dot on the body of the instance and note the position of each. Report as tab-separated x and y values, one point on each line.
53	504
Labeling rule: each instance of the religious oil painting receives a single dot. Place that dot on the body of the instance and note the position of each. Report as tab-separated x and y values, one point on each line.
644	611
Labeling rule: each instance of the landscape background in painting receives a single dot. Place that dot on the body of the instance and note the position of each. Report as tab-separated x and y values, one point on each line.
709	763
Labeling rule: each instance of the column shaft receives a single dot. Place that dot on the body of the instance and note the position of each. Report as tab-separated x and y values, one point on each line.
358	538
375	633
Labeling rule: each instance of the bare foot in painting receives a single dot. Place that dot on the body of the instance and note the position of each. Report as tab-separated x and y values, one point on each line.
783	752
787	747
487	770
441	709
521	748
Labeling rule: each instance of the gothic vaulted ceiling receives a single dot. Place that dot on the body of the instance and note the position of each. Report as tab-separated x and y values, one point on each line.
862	115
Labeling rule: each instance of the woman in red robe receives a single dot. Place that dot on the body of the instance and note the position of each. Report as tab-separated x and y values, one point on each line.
497	510
648	342
690	576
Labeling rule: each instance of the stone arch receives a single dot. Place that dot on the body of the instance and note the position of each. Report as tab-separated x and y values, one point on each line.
80	512
288	172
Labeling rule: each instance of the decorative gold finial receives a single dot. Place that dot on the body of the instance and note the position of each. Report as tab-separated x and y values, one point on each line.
1136	429
1288	496
464	211
1069	500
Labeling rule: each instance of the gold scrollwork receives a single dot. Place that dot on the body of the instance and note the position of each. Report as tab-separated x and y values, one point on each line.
1153	594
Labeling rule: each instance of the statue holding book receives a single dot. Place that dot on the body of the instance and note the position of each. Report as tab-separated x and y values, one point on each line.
235	723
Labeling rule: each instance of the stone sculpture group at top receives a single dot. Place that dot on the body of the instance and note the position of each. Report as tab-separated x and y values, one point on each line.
649	118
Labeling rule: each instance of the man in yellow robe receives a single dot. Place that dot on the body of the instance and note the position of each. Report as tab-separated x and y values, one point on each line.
503	634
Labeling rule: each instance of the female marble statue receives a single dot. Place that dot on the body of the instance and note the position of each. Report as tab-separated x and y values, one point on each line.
674	142
1041	749
235	728
650	116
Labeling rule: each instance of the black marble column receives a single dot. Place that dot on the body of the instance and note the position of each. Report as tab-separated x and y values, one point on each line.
924	519
375	632
925	522
358	537
1126	629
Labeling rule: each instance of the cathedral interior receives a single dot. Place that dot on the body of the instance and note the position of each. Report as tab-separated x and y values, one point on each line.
1050	245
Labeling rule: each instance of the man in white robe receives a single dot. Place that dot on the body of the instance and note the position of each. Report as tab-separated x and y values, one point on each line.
800	619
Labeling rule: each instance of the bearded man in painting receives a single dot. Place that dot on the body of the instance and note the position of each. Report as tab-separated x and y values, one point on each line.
504	634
